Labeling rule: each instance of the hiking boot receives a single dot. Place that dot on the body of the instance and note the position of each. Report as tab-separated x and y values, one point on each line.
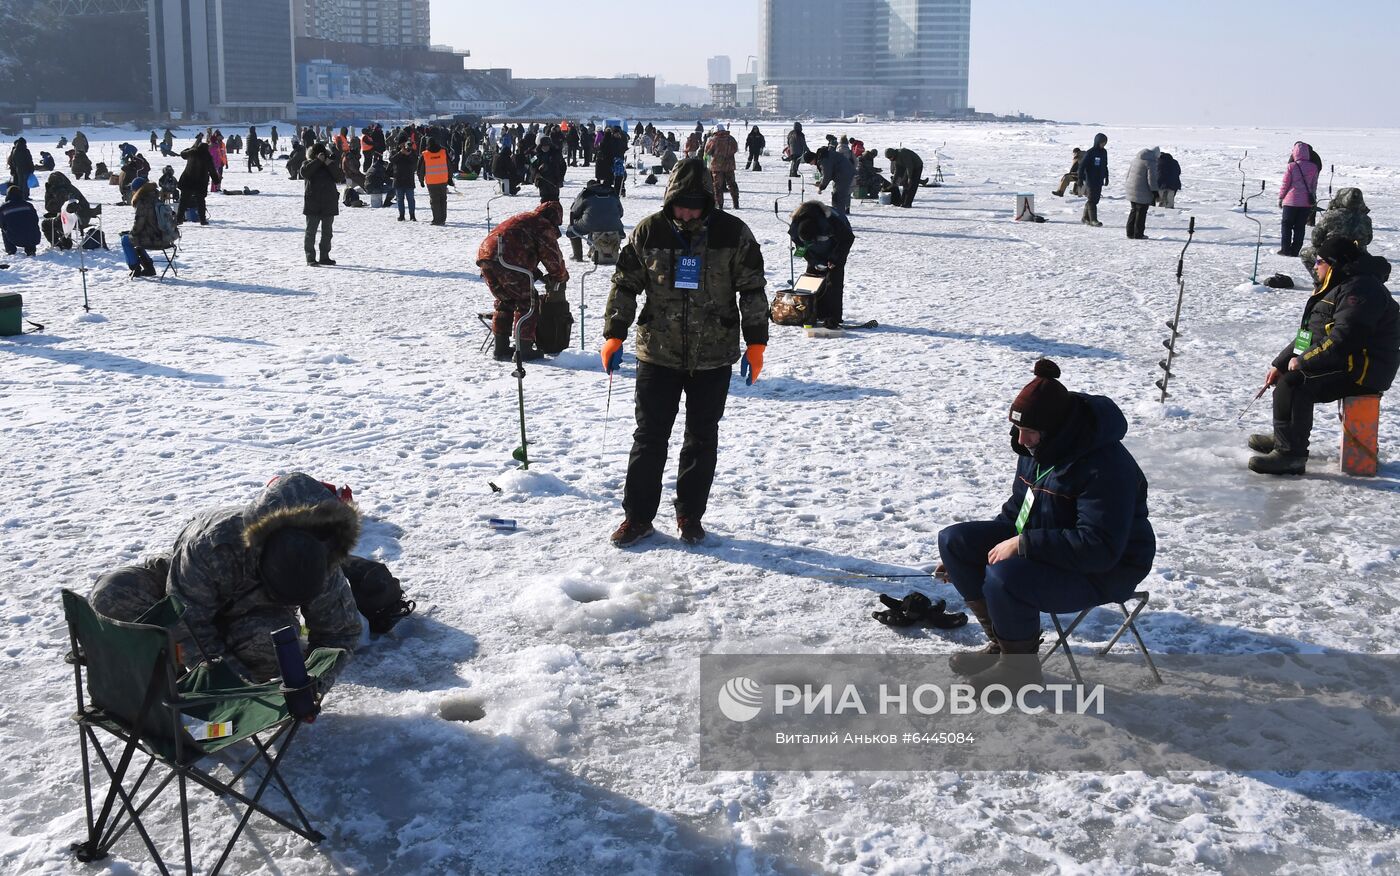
630	532
1276	462
973	662
1016	667
691	530
504	352
327	260
577	244
1261	443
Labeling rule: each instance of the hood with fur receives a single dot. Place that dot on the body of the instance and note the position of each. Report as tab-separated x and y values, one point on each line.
299	500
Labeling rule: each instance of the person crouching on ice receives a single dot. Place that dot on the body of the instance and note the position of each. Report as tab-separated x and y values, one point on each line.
1074	533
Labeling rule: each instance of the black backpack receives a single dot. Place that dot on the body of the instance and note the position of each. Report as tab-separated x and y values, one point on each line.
378	595
555	324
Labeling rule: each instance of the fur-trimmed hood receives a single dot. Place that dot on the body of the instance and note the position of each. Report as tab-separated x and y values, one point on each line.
299	500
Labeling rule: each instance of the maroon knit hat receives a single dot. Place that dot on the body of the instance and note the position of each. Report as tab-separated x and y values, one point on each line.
1044	403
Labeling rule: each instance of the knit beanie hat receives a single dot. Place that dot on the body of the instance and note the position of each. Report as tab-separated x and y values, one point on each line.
293	566
1043	404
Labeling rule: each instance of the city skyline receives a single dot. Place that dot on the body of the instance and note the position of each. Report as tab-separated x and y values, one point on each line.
1101	60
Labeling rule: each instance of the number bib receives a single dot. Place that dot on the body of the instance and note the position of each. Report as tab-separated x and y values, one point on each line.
688	272
1302	342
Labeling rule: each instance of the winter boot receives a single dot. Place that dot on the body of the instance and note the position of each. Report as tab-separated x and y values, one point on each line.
1276	462
691	530
630	532
1084	217
1261	443
1094	216
577	244
504	351
973	662
529	351
1016	667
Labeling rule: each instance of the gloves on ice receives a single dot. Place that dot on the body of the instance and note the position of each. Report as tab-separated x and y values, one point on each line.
612	354
752	363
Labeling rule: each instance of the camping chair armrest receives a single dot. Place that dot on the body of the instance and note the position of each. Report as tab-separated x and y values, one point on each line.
210	697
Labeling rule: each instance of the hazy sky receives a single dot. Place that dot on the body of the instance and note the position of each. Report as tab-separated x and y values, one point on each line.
1266	62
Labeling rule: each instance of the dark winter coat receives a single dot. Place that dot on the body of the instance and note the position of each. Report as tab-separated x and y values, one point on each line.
404	167
1168	173
837	170
320	176
550	167
377	181
19	223
21	161
1090	511
1355	325
597	208
199	170
906	167
755	142
796	142
1093	164
59	190
833	240
690	329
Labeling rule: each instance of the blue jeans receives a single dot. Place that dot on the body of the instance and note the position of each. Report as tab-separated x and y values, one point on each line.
1295	229
1016	590
405	196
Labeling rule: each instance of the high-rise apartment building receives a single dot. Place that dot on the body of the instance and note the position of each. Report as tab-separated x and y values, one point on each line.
367	22
230	59
837	57
719	70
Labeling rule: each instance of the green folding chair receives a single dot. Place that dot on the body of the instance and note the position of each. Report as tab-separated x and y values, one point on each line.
135	693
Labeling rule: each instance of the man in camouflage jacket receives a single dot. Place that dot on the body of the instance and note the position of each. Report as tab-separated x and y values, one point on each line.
702	273
509	259
224	568
721	150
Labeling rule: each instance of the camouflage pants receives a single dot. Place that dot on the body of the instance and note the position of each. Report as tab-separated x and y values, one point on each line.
724	180
512	293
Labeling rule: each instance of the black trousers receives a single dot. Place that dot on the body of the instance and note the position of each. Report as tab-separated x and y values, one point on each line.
548	190
1137	220
1295	229
830	301
437	200
325	223
753	160
658	401
1293	407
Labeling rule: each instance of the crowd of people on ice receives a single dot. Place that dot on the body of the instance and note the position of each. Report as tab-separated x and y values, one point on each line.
690	280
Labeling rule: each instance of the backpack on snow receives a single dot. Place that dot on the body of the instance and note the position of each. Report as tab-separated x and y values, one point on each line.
378	594
555	325
52	228
165	221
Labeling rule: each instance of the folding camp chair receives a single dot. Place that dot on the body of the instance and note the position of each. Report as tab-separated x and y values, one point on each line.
130	673
170	256
1063	634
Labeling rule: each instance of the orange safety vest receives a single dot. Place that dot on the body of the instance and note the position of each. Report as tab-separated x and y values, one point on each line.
435	167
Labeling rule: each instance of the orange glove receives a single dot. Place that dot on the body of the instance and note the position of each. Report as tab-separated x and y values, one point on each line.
752	364
611	354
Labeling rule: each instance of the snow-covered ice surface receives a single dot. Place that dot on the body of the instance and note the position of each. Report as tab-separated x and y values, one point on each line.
537	715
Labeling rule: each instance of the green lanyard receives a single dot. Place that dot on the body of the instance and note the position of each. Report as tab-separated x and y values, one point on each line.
1030	499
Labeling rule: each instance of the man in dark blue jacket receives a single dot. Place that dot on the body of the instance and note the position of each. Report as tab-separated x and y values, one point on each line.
1348	344
1093	176
823	236
1073	534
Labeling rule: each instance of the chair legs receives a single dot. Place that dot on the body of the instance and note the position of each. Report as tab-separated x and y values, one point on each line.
1063	633
108	827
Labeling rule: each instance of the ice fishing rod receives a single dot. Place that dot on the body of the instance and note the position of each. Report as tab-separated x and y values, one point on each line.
1258	395
1175	322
